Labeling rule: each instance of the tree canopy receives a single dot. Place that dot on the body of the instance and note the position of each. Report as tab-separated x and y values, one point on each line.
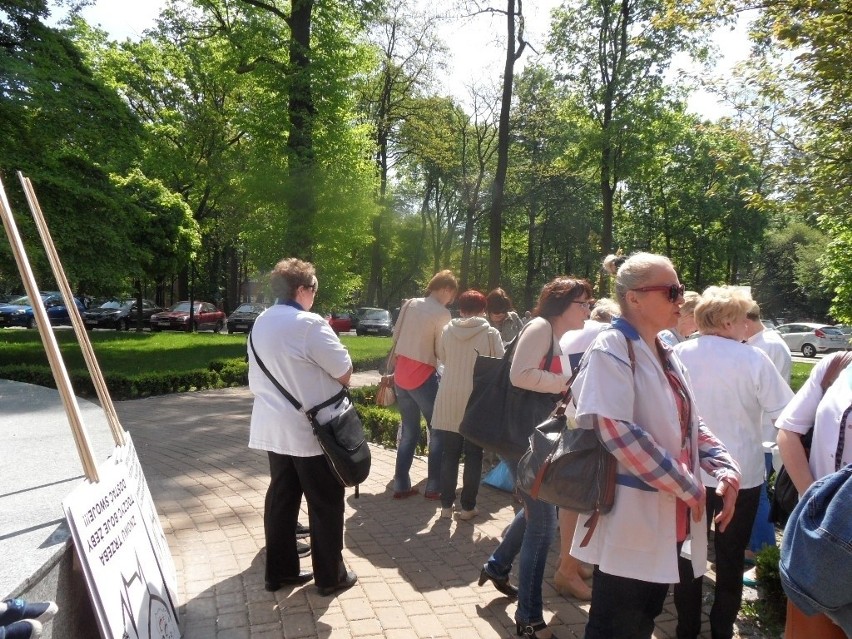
237	132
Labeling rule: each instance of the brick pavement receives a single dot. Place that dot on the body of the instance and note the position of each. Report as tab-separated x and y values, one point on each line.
417	573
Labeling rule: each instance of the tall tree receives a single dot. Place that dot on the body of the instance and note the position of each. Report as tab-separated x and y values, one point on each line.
67	131
409	54
614	54
813	41
515	45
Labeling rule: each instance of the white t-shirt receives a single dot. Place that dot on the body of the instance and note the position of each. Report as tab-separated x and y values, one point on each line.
811	408
574	343
771	343
302	352
734	384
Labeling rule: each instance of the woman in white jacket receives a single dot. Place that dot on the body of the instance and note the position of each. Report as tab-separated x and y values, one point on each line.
461	340
634	392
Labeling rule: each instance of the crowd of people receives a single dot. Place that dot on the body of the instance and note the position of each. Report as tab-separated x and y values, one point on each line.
685	390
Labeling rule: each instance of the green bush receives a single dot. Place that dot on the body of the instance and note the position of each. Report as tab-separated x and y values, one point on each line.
381	424
772	603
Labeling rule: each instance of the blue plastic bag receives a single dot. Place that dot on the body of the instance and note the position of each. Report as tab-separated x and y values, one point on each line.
500	478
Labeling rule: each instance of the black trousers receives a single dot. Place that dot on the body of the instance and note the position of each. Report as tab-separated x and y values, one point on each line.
290	477
730	559
624	608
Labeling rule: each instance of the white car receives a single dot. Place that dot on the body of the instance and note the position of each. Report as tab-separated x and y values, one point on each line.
811	338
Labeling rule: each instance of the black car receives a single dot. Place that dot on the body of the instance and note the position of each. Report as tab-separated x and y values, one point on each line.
242	319
375	321
120	314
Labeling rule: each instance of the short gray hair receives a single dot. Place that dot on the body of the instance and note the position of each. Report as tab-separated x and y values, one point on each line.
288	275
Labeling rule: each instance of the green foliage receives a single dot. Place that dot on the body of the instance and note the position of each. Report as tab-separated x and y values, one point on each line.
813	44
787	281
799	374
164	234
772	604
66	131
381	424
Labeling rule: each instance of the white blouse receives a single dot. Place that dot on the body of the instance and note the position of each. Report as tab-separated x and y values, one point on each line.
811	408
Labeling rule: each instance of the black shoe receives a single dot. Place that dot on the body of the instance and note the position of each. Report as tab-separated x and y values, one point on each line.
304	550
302	531
531	630
501	584
302	578
347	582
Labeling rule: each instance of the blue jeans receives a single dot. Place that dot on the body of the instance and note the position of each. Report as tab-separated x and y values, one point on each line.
411	404
530	535
763	531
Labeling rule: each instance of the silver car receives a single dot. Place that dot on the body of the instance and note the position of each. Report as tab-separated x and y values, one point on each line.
811	338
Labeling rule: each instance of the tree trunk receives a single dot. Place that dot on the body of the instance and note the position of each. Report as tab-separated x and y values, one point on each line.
495	227
300	192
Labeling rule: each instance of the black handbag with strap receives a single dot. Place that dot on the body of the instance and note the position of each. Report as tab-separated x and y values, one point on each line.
342	438
499	416
784	496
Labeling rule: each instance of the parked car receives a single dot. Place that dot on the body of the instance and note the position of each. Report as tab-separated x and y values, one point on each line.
375	321
205	316
360	312
19	312
242	319
340	322
845	329
120	314
811	338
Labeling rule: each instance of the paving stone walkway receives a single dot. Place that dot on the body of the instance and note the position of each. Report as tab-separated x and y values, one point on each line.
417	573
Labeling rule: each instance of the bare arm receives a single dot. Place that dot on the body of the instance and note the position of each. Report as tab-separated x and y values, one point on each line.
345	378
795	460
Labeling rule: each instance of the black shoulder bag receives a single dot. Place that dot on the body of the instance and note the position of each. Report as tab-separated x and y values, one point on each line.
342	438
499	416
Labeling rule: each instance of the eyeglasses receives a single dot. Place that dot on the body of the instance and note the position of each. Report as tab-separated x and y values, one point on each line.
675	291
588	304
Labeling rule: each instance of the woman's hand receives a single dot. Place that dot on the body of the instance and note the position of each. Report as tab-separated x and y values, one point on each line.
728	493
698	509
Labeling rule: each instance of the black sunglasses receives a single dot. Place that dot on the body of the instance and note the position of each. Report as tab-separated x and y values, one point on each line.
675	291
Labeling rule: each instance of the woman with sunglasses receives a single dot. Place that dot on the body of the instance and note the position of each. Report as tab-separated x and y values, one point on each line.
632	390
735	385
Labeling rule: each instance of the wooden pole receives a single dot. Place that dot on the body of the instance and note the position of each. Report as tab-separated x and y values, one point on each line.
76	321
48	339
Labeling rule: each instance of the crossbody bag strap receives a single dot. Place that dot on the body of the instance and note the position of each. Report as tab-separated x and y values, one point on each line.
390	359
283	390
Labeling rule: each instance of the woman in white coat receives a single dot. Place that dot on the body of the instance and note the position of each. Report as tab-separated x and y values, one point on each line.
638	399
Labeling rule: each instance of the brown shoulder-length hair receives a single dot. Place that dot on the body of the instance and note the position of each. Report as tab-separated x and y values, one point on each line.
558	294
498	301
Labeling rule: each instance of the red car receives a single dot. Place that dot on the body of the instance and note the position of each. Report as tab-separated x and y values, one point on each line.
205	317
340	322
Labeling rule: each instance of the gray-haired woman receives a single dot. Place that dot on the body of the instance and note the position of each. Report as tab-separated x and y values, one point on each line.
303	354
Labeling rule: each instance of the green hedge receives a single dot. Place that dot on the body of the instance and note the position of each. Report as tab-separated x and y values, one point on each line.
219	374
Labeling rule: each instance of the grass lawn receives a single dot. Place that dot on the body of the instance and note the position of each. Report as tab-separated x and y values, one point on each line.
799	374
132	353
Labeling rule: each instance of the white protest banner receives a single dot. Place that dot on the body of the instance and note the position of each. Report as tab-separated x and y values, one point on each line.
122	571
139	485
